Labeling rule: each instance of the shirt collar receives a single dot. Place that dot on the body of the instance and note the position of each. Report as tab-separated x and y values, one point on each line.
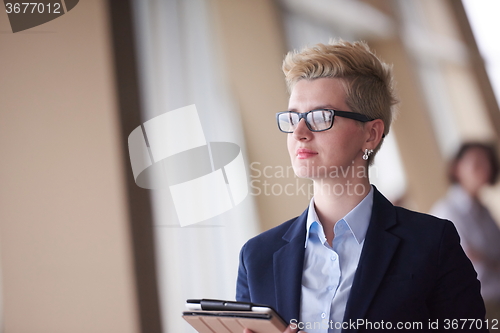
313	225
357	219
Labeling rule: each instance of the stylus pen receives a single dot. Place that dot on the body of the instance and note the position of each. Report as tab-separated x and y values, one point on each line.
217	305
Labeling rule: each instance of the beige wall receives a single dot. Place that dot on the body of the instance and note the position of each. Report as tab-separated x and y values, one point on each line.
253	46
425	168
64	235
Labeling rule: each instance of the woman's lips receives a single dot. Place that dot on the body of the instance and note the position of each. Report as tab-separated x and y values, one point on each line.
303	153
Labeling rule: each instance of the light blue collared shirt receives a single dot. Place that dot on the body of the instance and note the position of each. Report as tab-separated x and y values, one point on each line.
329	271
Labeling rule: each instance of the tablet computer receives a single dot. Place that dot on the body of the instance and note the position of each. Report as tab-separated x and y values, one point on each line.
211	315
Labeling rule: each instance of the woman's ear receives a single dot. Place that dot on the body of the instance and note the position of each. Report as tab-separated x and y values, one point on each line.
375	130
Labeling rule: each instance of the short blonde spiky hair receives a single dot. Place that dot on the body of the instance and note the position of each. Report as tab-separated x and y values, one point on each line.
368	81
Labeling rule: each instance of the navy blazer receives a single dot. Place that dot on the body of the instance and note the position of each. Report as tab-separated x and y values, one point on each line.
412	269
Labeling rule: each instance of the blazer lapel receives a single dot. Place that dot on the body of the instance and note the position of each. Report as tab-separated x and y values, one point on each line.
288	264
377	253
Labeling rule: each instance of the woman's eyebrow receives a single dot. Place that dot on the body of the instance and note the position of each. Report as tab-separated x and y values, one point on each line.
320	107
327	106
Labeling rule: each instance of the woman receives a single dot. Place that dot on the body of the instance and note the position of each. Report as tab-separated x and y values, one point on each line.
352	261
474	167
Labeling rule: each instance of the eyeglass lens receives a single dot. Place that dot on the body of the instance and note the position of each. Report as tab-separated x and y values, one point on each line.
316	120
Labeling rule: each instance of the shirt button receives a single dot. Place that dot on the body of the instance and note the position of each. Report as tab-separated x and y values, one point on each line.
330	288
333	258
323	315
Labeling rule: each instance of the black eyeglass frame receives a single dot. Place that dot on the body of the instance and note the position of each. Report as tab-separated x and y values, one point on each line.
344	114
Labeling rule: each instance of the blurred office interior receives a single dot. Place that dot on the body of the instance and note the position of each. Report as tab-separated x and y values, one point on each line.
84	249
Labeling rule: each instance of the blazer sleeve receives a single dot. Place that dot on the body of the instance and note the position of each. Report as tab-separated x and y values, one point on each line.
456	295
242	290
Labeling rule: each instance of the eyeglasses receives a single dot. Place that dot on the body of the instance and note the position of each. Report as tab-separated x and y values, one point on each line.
316	120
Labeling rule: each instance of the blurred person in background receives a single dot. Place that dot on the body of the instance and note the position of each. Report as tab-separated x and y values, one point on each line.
474	167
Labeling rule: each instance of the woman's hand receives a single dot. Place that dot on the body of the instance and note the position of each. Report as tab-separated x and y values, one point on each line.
288	330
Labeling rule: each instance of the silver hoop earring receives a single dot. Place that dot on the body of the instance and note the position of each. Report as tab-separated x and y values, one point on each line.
367	154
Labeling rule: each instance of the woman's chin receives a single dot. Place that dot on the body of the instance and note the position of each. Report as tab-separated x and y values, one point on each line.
308	173
302	171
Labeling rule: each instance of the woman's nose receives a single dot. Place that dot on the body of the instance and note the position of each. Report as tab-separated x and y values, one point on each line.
301	131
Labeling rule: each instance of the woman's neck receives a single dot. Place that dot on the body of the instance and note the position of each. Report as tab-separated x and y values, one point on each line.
333	199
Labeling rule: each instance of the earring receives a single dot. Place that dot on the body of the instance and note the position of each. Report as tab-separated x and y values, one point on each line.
367	154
